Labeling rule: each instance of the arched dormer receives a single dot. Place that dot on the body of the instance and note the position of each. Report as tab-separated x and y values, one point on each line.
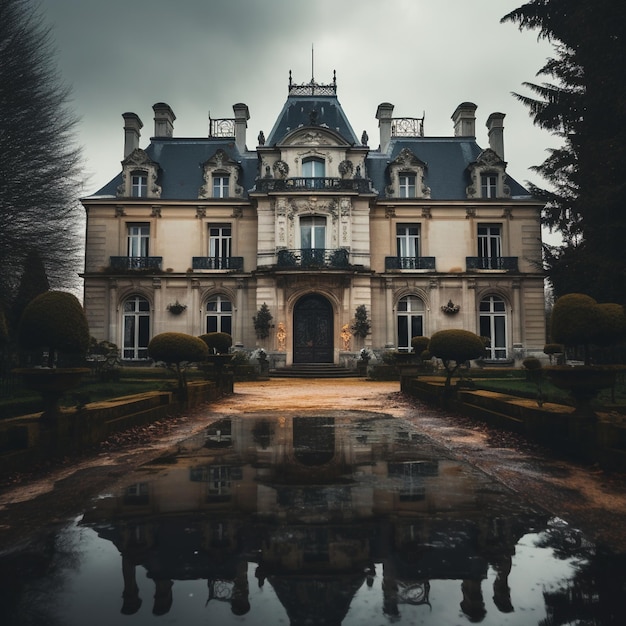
139	176
221	177
488	175
406	176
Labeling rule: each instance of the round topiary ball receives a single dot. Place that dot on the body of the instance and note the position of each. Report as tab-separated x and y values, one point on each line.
54	321
217	342
177	348
456	345
419	344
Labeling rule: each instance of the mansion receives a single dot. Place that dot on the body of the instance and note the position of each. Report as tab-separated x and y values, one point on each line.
427	233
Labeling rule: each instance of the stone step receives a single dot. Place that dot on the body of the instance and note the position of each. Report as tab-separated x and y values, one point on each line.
313	370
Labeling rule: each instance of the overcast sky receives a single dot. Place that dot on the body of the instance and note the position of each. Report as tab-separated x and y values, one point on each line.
423	56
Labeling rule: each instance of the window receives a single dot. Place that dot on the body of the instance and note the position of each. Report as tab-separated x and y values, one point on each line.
220	238
488	185
407	241
407	185
138	240
221	184
136	324
219	315
490	245
313	168
313	233
139	185
492	320
410	314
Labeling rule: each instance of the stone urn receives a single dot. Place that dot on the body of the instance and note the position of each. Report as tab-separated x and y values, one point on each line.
51	383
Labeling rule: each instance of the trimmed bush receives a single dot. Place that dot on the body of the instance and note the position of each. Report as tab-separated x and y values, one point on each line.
454	347
55	321
419	344
262	322
218	343
176	350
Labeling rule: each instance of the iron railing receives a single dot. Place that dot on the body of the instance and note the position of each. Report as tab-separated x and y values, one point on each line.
507	263
136	262
407	126
316	258
360	185
217	263
409	263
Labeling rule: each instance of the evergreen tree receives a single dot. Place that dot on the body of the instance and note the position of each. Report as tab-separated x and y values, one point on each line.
39	164
32	283
586	107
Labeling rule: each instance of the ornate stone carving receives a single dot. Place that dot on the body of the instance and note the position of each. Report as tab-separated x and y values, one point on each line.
220	163
346	168
200	212
281	337
346	336
281	169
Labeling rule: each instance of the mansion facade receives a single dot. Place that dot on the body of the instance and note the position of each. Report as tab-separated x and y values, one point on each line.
427	233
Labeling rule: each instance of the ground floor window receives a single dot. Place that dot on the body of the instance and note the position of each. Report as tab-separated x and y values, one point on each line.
219	315
136	324
410	315
493	324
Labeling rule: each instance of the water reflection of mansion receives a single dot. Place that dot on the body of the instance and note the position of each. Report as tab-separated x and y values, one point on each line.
320	506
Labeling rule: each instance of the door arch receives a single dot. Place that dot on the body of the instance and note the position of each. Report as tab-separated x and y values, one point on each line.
313	330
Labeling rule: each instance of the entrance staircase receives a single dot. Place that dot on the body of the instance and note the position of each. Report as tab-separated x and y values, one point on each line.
313	370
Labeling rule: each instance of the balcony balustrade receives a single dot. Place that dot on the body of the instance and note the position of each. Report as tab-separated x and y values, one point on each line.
409	263
506	263
217	263
360	185
125	263
318	258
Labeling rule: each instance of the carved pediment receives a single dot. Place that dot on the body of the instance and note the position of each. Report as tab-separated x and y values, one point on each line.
220	164
314	136
490	158
407	163
138	158
406	158
139	161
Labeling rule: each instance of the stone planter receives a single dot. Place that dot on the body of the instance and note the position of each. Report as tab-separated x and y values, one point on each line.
52	383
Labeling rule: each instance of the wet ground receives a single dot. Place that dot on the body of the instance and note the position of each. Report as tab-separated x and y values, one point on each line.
314	502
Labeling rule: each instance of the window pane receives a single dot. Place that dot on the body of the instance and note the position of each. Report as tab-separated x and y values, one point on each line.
403	332
417	326
211	324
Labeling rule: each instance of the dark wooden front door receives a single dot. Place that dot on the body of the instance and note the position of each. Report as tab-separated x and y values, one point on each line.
313	330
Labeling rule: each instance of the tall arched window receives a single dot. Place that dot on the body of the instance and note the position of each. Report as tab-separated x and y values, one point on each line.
313	169
136	324
219	315
410	314
493	324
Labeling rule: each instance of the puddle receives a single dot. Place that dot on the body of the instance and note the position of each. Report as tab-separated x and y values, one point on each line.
299	519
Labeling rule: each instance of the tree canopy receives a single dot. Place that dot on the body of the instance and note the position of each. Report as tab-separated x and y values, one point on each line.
40	166
584	103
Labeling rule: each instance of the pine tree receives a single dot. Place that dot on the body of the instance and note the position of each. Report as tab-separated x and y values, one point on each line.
32	283
39	164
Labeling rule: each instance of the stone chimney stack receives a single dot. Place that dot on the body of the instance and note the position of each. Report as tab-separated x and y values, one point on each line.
495	126
242	115
163	120
132	132
464	118
384	114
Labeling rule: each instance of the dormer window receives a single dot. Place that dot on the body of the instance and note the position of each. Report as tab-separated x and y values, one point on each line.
488	173
313	167
221	175
139	176
488	185
406	175
139	185
407	185
221	185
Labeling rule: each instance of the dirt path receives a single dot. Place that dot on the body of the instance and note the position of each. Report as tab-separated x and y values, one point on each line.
586	497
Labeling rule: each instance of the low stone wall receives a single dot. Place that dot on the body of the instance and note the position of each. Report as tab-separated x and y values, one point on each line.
597	439
29	440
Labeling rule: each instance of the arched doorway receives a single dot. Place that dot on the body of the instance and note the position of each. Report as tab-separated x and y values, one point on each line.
313	330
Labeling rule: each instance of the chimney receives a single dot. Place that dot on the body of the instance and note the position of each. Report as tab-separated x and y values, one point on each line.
383	115
464	118
495	126
132	132
163	120
242	115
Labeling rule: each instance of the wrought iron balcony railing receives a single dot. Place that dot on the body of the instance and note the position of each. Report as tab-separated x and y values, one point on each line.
507	263
409	263
136	262
360	185
217	263
318	258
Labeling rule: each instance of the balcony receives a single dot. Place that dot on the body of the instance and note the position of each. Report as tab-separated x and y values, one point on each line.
503	263
318	258
217	263
360	185
136	263
409	263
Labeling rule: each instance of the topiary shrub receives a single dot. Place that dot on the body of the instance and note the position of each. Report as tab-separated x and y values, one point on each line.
262	322
55	321
361	326
218	343
553	348
454	347
177	351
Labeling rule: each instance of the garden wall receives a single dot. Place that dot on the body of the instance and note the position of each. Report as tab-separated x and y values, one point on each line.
29	440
